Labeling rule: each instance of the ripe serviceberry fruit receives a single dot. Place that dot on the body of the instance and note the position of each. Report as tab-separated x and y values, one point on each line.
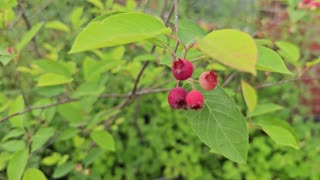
195	100
182	69
10	50
208	80
177	98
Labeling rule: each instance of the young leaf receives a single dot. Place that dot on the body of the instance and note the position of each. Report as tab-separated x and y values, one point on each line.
92	156
17	164
221	126
264	109
122	28
250	95
17	106
189	31
280	131
268	60
312	63
71	112
28	36
63	169
33	174
41	137
51	79
13	133
103	140
232	48
57	25
289	51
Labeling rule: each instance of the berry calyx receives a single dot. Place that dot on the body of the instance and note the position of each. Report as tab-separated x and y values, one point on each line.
177	98
10	50
182	69
208	80
195	100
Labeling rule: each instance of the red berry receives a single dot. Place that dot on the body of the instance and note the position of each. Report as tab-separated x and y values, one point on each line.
306	1
208	80
195	100
10	50
182	69
177	98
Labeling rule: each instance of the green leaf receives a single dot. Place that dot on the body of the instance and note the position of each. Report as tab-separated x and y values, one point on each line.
33	174
75	18
188	31
53	159
269	60
17	164
97	3
17	106
71	112
13	145
232	48
92	156
118	29
263	42
221	126
296	15
289	51
51	79
250	95
264	109
57	25
28	36
103	140
280	131
5	59
56	67
312	63
63	170
89	89
41	137
13	134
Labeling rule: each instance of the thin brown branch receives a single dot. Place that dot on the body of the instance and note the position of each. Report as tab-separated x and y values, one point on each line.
28	24
284	82
135	120
176	24
229	79
30	108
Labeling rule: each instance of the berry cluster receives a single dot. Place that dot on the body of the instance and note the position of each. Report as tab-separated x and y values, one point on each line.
309	4
178	97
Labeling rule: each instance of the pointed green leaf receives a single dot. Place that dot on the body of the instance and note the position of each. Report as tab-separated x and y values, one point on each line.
51	79
41	137
221	126
264	109
269	60
232	48
13	133
103	139
57	25
280	131
33	174
312	63
289	51
63	169
188	31
250	95
17	164
122	28
5	59
17	106
29	35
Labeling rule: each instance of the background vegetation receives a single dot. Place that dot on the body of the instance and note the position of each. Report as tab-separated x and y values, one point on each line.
62	125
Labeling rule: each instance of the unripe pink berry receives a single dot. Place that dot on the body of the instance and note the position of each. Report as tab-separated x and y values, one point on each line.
177	98
208	80
195	100
182	69
10	50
